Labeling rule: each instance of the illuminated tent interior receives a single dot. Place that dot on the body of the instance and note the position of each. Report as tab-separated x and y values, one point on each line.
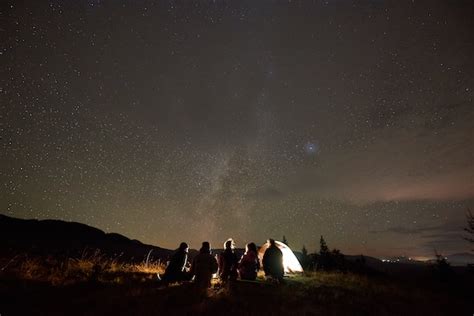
290	262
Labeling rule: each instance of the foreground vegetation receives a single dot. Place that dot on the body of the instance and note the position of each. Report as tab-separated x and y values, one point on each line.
94	285
64	271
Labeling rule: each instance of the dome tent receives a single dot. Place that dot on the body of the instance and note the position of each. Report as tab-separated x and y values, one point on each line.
290	262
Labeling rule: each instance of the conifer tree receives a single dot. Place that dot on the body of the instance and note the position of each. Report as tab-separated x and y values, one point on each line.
324	257
304	251
305	260
323	247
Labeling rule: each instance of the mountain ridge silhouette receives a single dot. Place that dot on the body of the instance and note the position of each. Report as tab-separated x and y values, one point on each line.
73	239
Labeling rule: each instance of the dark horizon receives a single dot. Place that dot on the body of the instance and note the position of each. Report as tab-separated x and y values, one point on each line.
215	247
170	121
219	246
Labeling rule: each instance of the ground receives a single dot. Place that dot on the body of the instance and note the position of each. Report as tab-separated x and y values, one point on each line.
85	288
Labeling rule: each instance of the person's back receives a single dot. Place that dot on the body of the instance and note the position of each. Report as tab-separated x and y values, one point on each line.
273	261
249	264
203	267
228	262
175	271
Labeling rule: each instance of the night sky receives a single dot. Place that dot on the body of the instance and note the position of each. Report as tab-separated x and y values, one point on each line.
171	121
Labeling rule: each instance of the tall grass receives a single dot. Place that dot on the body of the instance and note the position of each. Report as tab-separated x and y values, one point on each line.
96	267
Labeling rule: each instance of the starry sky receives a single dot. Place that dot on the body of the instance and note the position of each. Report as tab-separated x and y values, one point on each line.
171	121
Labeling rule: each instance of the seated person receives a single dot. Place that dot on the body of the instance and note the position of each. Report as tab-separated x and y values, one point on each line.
203	267
228	262
249	264
273	262
176	269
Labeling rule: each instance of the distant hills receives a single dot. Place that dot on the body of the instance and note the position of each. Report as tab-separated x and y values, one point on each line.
55	237
461	259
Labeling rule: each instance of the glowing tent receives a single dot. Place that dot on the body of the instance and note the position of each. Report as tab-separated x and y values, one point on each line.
290	262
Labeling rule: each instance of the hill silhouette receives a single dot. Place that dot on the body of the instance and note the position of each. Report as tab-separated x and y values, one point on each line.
56	237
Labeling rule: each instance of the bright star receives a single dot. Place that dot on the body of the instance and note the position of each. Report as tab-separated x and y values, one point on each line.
311	148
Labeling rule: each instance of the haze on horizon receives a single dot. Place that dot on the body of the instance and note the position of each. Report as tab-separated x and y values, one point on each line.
170	121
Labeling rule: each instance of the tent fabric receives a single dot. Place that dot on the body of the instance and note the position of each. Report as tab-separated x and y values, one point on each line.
290	262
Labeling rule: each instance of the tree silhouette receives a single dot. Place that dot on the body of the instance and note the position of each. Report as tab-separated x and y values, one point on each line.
323	247
304	251
305	260
330	259
324	258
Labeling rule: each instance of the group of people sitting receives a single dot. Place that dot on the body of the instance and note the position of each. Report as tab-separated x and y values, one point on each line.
227	264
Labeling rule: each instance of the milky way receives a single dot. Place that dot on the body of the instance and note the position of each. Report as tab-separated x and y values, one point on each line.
172	121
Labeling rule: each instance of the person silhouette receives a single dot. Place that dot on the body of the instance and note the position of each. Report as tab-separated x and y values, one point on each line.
228	262
273	262
203	267
176	269
249	264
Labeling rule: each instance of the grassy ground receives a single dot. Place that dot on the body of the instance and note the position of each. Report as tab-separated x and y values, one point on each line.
97	286
68	271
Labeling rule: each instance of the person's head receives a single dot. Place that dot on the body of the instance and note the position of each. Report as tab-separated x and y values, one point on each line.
206	247
229	244
251	247
271	242
183	247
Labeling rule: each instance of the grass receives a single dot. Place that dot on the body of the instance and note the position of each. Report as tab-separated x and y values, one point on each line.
67	271
96	285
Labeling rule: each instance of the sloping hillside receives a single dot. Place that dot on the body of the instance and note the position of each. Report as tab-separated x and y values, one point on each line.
55	237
